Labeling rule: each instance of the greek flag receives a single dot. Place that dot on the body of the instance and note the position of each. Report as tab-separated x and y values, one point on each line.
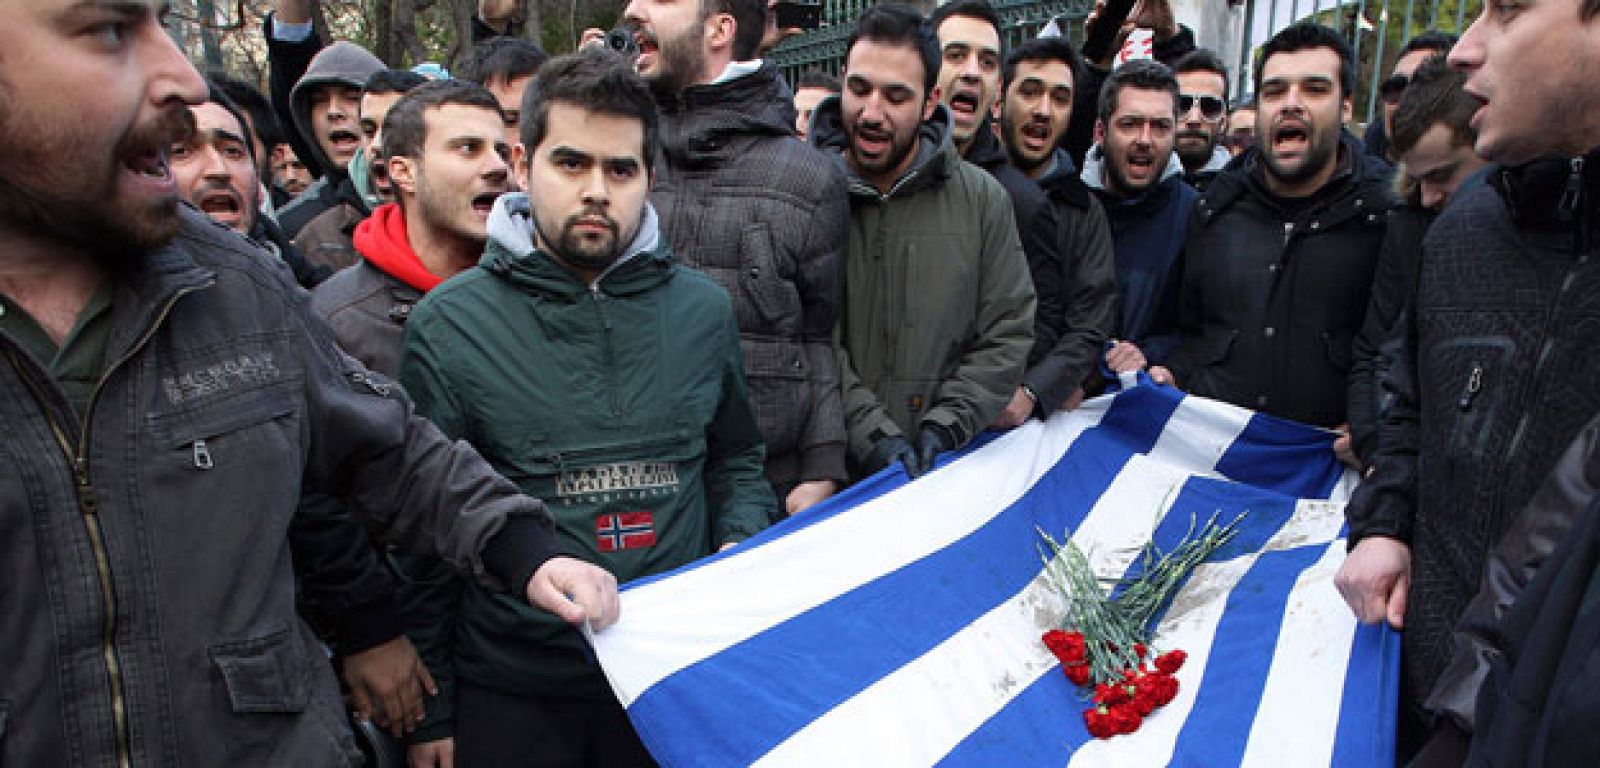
898	624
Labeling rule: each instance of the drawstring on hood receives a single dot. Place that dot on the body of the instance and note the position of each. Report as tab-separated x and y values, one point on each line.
382	240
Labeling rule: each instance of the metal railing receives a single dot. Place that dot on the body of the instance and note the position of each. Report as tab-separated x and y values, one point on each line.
824	48
1376	29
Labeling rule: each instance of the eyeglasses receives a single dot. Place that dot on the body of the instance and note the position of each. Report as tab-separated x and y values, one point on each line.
1211	107
1394	87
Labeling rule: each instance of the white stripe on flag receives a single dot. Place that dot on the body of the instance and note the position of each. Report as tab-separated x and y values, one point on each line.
836	556
991	660
1291	728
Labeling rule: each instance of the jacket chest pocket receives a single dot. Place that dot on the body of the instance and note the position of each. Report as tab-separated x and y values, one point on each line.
762	283
250	429
1469	375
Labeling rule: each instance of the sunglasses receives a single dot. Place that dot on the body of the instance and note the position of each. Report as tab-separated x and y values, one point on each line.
1393	88
1211	107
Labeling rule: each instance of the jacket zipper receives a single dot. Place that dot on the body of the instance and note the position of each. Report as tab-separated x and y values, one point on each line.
605	325
1470	391
1288	232
88	505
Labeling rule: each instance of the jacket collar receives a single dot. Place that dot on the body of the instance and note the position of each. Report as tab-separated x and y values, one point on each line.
169	272
1556	195
936	151
1360	181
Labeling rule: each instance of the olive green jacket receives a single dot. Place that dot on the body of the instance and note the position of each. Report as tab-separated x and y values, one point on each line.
938	313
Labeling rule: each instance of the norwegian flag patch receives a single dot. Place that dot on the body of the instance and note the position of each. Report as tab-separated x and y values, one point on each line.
628	530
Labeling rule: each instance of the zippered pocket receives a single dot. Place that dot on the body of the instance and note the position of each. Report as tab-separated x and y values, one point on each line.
1469	375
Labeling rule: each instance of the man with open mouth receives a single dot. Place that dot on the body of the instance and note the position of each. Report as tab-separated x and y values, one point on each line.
1281	250
1473	484
938	316
217	172
1064	236
762	214
167	395
1134	173
447	168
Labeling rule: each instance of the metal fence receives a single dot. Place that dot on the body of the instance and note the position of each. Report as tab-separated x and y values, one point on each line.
1376	29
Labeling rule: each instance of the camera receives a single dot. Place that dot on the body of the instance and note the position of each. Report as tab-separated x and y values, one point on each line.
621	41
797	14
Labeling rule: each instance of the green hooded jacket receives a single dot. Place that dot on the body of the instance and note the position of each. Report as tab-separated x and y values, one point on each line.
938	314
622	405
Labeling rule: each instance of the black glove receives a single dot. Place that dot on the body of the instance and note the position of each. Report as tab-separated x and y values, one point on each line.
933	441
892	448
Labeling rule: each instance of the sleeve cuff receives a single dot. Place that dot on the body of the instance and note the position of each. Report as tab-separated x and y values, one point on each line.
522	545
367	626
291	33
823	462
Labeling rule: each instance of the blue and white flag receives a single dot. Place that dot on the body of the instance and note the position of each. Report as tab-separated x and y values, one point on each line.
898	624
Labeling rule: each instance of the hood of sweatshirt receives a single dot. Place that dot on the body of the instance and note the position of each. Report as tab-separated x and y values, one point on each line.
383	242
1094	165
343	63
512	254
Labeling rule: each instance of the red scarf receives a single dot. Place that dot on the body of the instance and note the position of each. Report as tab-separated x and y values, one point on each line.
382	240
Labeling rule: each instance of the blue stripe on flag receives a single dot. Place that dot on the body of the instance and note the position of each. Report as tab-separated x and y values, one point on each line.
1042	726
1014	736
974	574
1362	739
1273	453
1218	727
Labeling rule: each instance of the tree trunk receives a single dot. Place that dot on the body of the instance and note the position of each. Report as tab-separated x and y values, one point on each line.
461	12
380	15
408	45
533	22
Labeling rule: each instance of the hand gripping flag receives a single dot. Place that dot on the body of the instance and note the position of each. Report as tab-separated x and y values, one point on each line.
898	624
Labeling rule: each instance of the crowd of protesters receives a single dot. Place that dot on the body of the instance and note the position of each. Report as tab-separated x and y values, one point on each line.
424	365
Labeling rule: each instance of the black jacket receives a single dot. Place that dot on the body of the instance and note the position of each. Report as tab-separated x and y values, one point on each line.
1068	245
1496	374
1375	347
1482	638
766	216
1269	305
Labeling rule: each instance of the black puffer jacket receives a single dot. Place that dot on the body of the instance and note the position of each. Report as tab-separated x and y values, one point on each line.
766	216
1269	304
1068	244
1495	376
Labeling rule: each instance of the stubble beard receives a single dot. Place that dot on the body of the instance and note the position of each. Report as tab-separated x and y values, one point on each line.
50	187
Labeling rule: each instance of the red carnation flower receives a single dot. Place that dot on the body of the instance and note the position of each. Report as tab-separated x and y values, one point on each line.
1111	695
1138	650
1077	672
1171	661
1067	646
1102	725
1126	718
1162	688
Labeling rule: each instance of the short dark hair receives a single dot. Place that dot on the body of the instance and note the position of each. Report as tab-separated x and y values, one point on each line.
405	128
972	9
1432	40
215	95
1204	60
247	98
1304	36
816	78
750	23
900	24
1437	94
386	81
595	80
1043	49
502	58
1146	74
1589	9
